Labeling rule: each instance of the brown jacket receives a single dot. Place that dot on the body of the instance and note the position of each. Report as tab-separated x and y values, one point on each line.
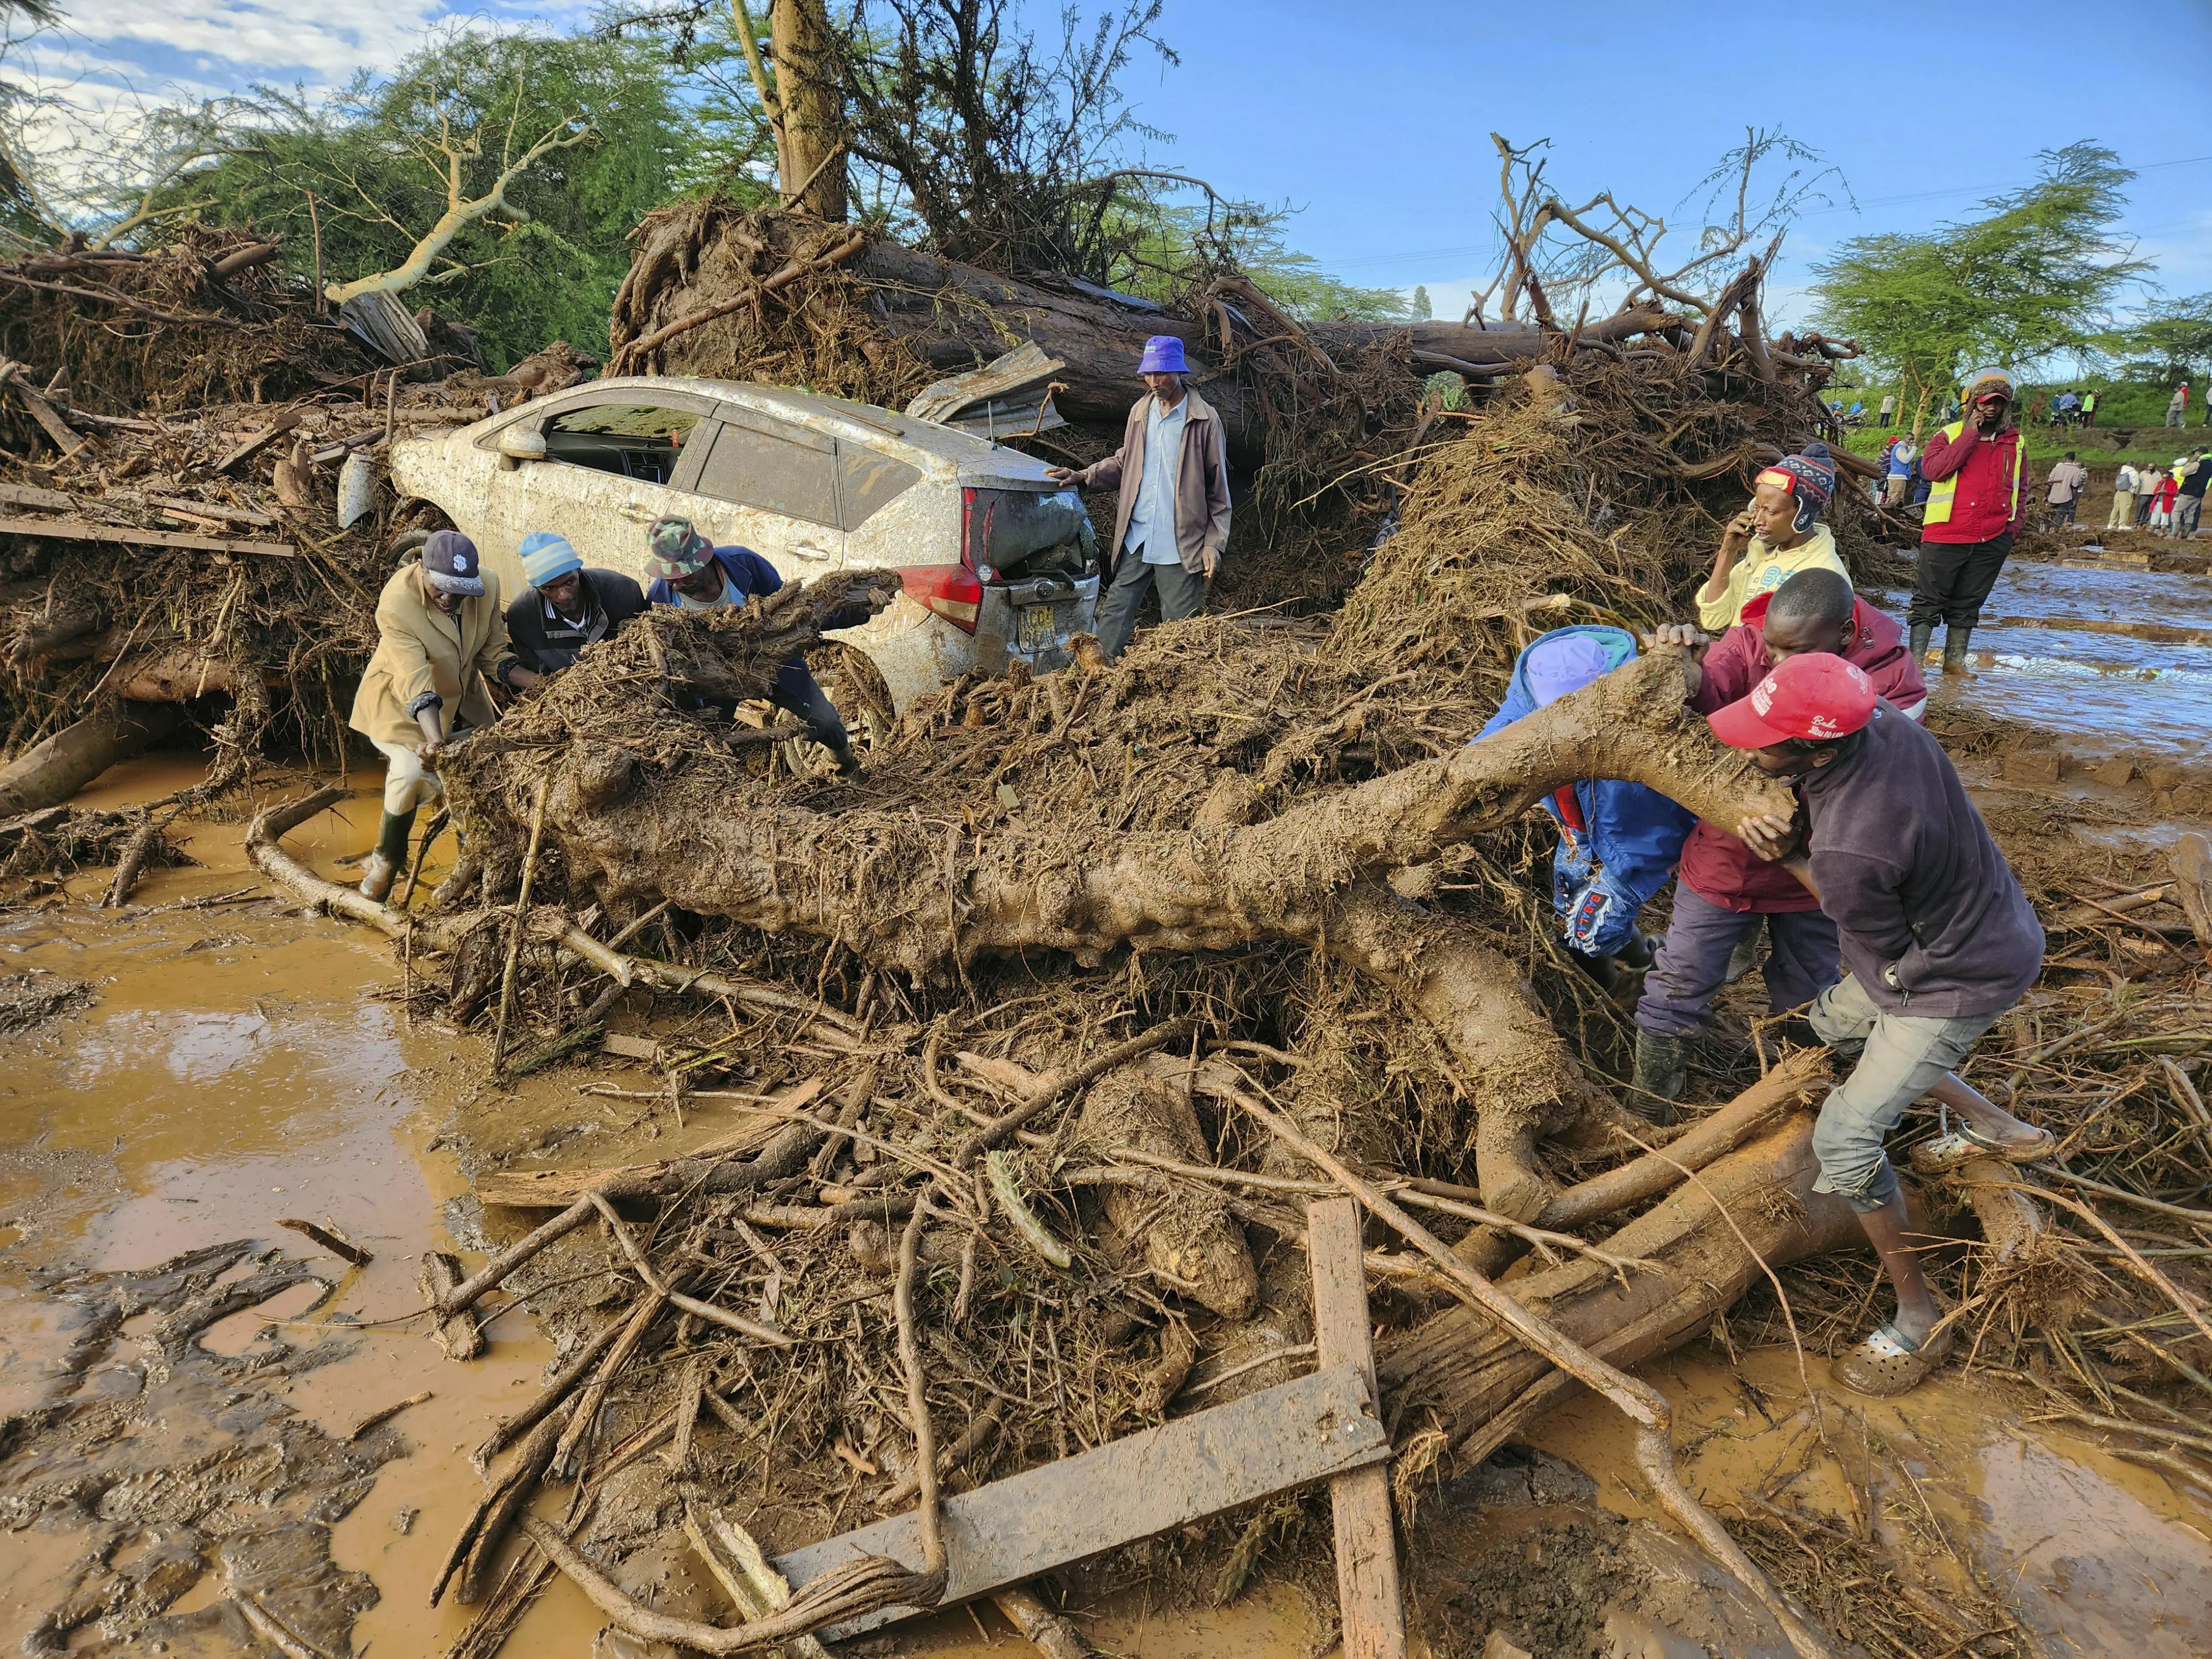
1202	495
419	648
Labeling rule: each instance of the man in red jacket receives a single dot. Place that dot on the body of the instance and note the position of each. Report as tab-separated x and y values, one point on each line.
1973	467
1724	893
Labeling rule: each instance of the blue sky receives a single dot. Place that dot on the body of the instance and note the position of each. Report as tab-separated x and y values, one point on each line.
1375	121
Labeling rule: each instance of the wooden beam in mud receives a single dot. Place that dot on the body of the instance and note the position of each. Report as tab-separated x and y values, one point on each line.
556	1189
1029	1524
1370	1606
83	530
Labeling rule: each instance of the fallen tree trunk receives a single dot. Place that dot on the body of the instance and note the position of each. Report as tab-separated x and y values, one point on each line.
950	317
1466	1368
923	897
54	770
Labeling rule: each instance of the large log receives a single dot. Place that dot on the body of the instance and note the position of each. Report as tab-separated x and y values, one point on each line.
957	317
52	771
1469	1369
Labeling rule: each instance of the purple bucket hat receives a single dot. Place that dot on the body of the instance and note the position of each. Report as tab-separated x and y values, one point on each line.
1163	355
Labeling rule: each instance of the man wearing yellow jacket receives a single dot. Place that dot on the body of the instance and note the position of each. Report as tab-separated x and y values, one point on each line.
441	637
1779	535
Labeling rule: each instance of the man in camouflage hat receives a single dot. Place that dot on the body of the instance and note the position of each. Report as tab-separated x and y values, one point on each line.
691	574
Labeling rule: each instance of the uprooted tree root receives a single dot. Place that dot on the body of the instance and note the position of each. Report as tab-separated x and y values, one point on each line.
1032	1017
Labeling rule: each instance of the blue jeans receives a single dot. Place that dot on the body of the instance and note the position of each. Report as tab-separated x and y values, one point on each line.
1896	1060
1802	956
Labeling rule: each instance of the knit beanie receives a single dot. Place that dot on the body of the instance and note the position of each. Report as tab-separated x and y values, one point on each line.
678	550
1810	476
547	557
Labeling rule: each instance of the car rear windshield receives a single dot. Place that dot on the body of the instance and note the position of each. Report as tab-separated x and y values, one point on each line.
1008	527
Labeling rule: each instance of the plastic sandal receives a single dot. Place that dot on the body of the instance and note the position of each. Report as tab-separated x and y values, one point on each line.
1962	1144
1885	1363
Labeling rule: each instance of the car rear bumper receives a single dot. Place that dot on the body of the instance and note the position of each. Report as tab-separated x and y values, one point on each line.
1030	619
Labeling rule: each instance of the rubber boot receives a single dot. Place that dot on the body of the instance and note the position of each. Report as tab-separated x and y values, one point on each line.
1663	1071
382	867
1743	958
1924	635
1954	651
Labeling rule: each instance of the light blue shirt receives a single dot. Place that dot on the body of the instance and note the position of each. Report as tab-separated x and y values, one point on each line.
1152	526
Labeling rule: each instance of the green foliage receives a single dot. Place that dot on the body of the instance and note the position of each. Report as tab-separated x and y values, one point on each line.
2169	343
2034	277
378	155
1422	309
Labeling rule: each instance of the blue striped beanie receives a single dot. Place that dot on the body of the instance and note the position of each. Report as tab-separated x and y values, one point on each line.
547	557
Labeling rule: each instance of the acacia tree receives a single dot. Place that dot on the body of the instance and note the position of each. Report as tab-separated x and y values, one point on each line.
501	171
2168	342
2036	275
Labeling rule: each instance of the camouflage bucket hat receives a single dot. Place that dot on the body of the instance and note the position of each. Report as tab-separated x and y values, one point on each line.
677	548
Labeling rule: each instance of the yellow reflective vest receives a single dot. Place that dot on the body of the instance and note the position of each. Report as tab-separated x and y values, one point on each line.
1942	494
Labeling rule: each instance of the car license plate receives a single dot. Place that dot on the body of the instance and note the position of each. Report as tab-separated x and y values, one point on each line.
1035	628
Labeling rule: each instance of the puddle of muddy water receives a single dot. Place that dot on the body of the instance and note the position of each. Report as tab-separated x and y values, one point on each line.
236	1068
2036	661
2096	1556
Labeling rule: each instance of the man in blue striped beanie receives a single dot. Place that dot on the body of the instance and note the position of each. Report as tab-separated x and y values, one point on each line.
566	607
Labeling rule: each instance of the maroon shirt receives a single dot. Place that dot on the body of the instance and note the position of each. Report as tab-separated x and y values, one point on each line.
1983	508
1716	864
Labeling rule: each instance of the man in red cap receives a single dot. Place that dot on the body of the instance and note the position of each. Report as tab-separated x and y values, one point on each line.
1172	519
1938	941
1726	895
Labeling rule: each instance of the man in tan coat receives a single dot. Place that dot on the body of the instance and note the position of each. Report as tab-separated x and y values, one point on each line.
1172	521
440	636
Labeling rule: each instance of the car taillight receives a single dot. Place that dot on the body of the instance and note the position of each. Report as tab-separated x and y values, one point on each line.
950	589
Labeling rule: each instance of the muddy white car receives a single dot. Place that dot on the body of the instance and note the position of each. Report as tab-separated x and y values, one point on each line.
994	560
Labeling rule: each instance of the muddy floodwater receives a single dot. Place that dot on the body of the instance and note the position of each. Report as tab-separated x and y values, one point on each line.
232	1063
2117	659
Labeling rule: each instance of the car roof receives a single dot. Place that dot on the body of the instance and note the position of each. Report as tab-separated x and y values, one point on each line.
884	430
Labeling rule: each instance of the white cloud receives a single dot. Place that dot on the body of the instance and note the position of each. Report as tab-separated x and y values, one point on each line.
258	41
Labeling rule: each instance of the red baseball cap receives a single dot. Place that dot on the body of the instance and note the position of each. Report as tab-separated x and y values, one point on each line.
1814	694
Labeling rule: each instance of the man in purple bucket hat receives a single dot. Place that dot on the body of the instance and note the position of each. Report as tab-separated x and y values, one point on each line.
1173	518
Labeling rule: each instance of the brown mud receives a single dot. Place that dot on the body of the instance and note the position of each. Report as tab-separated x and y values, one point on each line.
238	1063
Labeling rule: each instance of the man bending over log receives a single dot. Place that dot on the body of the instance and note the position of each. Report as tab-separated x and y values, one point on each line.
1617	841
690	573
1172	521
567	607
1728	894
440	636
1938	941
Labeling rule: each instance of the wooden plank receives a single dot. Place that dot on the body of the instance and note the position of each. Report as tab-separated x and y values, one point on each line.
81	530
211	510
1370	1605
1013	1530
285	423
556	1189
31	495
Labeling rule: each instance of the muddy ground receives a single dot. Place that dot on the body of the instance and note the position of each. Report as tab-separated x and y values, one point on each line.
181	1376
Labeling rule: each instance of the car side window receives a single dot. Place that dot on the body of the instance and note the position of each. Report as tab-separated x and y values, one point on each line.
867	482
633	439
777	470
